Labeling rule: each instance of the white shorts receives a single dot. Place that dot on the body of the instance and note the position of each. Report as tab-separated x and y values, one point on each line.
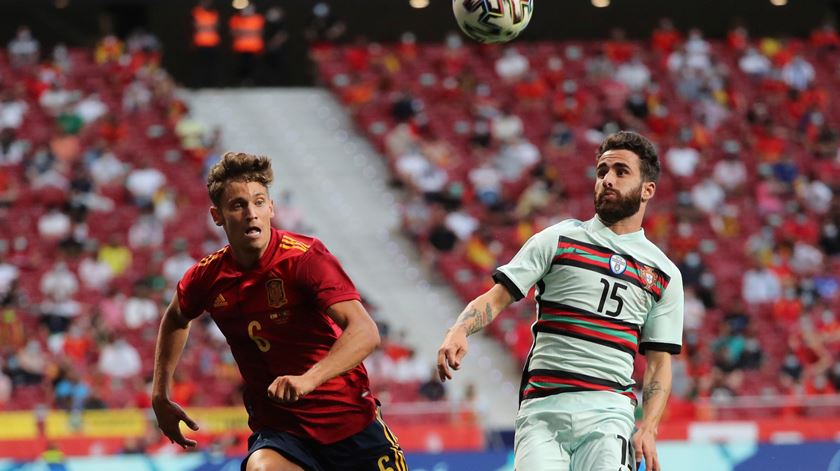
576	431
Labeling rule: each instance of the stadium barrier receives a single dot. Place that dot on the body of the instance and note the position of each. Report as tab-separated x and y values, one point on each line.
421	427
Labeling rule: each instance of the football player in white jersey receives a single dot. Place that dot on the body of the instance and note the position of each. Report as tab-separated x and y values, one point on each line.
604	293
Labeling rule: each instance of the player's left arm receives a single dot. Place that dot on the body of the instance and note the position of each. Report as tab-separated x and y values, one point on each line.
358	340
657	388
661	338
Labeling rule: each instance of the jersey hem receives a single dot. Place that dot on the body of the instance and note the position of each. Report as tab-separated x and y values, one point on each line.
671	348
502	279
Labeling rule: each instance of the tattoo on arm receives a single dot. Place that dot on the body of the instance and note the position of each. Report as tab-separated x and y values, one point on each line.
474	320
651	390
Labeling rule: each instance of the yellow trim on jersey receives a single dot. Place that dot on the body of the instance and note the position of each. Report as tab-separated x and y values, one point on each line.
287	242
213	256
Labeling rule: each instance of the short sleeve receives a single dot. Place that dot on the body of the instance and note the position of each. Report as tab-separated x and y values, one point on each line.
191	297
663	328
529	265
321	274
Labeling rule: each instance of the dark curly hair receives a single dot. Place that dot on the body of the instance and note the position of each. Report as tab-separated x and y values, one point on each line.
639	145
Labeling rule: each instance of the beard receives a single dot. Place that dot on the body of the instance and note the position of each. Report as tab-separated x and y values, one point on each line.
622	207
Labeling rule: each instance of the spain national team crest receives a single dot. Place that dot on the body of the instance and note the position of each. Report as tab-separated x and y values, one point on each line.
647	276
274	291
618	264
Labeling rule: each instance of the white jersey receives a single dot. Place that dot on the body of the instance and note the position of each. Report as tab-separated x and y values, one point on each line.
601	297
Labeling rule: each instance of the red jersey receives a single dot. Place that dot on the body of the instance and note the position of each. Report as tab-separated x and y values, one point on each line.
274	319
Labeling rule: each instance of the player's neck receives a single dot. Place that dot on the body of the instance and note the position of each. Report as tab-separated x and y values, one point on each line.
247	259
627	225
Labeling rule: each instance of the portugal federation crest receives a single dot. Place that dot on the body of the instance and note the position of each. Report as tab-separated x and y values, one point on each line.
618	264
275	292
647	276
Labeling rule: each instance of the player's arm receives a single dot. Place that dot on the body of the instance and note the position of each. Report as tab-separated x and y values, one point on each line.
657	388
479	313
358	340
172	336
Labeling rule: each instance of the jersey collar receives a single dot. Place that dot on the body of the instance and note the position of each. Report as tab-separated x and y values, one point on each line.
265	259
597	226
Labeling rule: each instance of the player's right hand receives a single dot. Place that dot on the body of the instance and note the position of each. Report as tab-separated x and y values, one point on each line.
169	416
451	352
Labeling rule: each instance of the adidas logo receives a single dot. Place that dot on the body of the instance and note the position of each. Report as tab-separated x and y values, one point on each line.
220	301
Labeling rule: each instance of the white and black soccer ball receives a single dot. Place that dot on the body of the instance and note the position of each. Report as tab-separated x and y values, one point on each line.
492	21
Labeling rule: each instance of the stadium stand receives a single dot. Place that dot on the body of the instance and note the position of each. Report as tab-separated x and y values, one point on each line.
100	165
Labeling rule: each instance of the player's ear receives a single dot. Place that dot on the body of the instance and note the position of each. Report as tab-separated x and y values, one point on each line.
648	190
217	216
271	207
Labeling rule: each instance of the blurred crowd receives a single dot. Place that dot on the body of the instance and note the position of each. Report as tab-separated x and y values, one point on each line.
492	144
91	238
102	172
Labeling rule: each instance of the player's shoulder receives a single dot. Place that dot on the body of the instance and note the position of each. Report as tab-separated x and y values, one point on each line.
566	227
293	243
208	267
661	260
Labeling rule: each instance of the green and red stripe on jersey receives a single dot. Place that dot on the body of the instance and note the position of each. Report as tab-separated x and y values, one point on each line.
570	321
542	383
593	257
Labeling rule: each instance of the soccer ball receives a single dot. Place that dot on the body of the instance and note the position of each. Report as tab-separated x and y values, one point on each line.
492	21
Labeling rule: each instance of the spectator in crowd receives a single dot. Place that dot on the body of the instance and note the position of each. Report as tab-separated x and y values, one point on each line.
115	254
90	108
760	284
70	391
139	310
798	73
144	182
107	169
23	49
13	109
205	43
56	98
11	149
146	232
28	365
707	196
512	65
755	64
431	389
94	274
111	310
119	359
730	172
665	38
439	234
516	158
247	28
634	74
682	159
59	282
56	314
486	181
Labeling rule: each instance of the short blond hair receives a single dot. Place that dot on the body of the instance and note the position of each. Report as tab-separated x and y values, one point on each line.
238	167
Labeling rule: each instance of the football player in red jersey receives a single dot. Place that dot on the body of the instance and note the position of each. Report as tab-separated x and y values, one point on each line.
297	330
